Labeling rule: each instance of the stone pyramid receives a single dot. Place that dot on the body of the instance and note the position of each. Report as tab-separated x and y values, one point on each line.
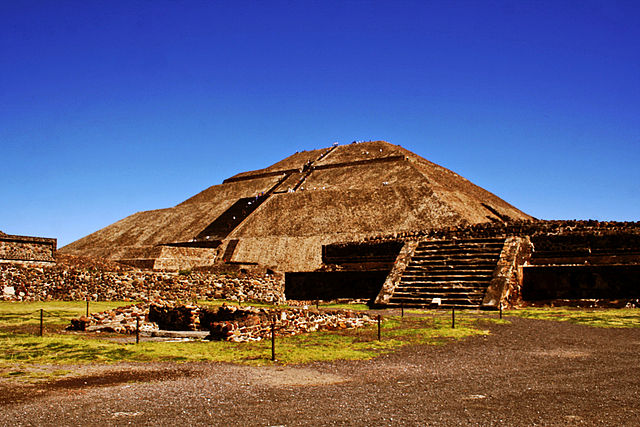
281	216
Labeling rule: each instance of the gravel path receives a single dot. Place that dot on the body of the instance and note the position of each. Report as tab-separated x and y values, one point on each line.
529	372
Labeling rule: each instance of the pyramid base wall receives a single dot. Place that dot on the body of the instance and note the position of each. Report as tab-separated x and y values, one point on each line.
27	249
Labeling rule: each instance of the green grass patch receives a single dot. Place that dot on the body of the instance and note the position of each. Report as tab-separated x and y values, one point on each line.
24	353
597	317
355	307
20	350
24	317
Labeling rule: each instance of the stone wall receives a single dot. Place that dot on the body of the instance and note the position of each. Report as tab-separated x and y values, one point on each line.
506	283
340	253
184	258
581	282
331	285
517	228
620	248
395	275
64	282
26	248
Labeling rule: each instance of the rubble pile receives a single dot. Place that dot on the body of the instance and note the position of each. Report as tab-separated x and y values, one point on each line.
68	282
254	324
227	322
241	324
121	320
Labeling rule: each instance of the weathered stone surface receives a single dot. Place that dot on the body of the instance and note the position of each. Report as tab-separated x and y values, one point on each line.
242	324
176	318
506	283
121	320
517	227
68	282
403	259
27	249
313	198
227	322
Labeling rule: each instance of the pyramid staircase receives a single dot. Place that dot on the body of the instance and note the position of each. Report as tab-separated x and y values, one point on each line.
457	272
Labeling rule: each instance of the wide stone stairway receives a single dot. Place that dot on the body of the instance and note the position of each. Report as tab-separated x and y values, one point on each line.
231	218
457	272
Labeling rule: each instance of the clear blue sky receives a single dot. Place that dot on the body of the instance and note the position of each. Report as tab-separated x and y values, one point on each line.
109	108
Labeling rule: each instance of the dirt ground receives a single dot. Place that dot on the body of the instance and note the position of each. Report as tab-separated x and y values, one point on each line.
529	372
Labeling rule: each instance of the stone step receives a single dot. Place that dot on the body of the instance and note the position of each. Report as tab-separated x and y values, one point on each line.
450	273
453	249
480	254
462	241
447	278
463	274
452	263
436	307
489	248
440	266
457	272
442	295
458	265
438	255
433	288
447	299
444	303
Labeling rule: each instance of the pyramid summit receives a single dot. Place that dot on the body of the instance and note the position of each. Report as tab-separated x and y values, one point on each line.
282	215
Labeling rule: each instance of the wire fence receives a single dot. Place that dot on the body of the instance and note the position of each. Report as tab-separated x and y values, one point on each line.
43	316
67	315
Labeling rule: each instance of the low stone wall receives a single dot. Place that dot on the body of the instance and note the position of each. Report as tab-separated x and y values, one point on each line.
395	275
62	282
26	248
581	282
339	253
332	285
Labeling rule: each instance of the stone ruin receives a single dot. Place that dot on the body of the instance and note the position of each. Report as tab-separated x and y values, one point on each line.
281	216
227	322
77	278
588	263
368	221
27	249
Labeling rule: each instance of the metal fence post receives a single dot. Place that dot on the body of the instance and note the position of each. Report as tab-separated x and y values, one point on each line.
41	321
273	340
379	326
453	317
